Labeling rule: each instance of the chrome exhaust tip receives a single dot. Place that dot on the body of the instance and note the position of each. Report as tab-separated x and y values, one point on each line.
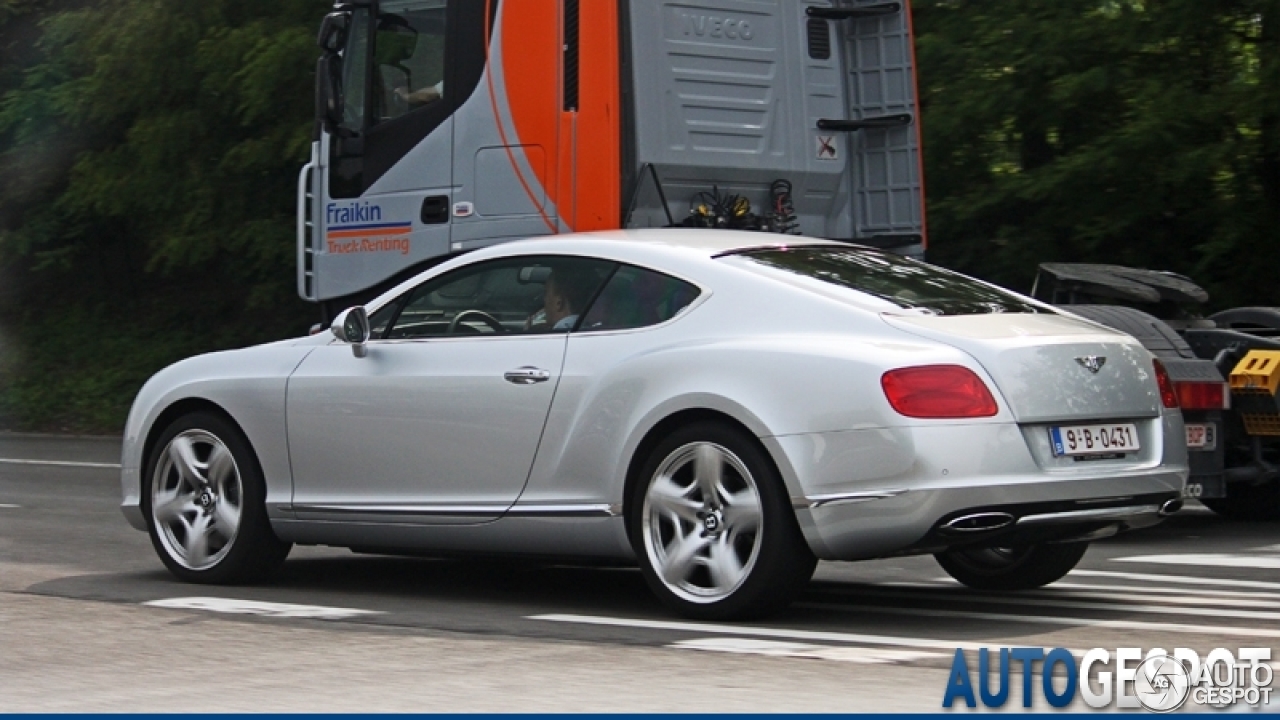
979	522
1170	507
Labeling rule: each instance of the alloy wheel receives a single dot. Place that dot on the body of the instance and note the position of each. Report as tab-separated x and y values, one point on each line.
702	522
197	499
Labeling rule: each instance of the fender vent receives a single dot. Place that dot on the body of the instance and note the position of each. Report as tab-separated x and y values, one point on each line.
819	39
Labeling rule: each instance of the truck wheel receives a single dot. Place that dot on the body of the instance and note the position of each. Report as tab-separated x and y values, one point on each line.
1011	568
1248	502
712	528
205	502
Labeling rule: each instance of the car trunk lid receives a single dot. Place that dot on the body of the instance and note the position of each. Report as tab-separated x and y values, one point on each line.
1044	364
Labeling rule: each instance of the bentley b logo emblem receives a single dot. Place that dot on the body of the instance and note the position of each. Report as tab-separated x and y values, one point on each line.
1092	363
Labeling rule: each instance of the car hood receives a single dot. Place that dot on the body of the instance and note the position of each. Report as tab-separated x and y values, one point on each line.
1039	363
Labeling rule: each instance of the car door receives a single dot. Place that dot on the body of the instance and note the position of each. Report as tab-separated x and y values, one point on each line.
439	422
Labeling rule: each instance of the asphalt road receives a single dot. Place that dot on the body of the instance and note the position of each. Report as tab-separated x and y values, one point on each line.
90	620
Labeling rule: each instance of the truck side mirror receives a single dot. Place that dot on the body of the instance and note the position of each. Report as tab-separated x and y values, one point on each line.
352	326
329	98
333	32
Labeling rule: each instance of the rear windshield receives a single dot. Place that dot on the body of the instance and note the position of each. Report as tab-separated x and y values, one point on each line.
902	281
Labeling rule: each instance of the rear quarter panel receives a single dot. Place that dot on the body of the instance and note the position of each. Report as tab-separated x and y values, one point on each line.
814	369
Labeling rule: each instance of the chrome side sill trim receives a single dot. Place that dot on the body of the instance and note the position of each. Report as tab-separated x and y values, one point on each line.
812	502
584	510
1073	516
506	510
458	510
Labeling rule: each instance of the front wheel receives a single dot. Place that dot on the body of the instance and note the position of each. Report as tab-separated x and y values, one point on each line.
205	503
711	525
1011	568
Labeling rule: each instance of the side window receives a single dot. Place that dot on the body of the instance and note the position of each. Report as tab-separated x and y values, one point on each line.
409	56
379	320
637	298
531	295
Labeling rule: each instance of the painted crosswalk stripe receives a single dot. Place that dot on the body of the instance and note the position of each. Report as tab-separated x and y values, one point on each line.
1051	620
779	648
1205	607
1102	594
9	507
705	628
60	463
253	607
1209	594
1126	591
1267	562
1181	579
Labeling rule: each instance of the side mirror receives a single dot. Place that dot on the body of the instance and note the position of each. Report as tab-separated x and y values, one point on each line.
333	32
352	326
329	98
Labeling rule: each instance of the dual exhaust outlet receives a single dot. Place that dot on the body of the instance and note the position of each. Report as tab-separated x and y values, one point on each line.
985	522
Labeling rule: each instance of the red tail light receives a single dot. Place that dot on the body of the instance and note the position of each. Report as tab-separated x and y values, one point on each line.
938	391
1203	395
1168	395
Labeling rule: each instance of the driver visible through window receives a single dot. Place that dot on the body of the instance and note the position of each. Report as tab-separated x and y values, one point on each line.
514	296
409	53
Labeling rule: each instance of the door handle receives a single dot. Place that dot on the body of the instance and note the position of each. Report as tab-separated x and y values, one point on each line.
527	375
435	210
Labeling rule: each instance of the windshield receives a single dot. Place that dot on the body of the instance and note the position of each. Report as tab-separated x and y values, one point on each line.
902	281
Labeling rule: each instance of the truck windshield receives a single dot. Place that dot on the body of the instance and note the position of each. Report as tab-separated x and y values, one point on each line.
902	281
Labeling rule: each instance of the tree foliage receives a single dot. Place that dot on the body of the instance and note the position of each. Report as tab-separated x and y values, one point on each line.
148	156
1140	132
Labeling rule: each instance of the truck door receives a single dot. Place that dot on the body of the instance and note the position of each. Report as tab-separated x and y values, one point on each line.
380	183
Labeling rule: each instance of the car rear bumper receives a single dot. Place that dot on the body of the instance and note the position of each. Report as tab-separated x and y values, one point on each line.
884	492
932	521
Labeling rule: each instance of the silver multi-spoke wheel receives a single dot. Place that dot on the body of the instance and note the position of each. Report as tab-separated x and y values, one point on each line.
197	499
702	523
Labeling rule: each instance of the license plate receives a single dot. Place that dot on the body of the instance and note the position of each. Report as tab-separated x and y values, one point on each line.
1083	440
1202	436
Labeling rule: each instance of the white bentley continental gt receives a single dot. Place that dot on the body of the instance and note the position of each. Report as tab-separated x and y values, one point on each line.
723	408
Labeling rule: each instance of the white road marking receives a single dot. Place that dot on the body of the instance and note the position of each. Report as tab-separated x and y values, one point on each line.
254	607
1186	579
9	507
1223	595
1208	560
763	632
984	599
60	463
1054	620
1206	594
1068	591
776	648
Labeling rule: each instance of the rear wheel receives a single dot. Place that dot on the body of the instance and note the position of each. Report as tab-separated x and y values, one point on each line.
713	530
205	504
1011	568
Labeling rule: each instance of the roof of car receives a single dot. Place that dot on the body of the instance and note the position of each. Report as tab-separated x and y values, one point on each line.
653	245
710	242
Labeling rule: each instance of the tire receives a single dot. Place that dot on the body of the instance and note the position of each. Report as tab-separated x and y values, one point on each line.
204	499
733	553
1259	503
1016	568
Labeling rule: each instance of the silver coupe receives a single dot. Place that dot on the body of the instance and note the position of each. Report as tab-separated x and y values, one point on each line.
723	408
